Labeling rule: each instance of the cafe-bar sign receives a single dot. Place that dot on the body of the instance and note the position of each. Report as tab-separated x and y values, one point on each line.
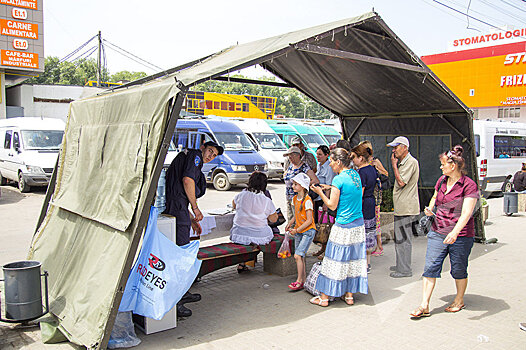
19	59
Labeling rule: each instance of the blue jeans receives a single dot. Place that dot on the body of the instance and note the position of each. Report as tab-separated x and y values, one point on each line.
437	251
302	241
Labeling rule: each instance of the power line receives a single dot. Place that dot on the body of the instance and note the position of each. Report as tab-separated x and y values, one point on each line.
68	56
129	53
514	6
128	57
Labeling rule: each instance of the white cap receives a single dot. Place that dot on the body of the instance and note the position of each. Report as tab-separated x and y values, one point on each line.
399	140
303	180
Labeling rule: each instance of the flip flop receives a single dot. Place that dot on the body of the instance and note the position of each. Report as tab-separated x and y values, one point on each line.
454	308
295	286
420	312
320	300
351	302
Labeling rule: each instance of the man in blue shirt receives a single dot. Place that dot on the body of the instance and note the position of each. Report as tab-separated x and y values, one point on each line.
185	182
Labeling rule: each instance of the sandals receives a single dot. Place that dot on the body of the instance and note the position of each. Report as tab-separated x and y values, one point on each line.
295	286
378	252
242	269
317	300
420	312
454	308
348	300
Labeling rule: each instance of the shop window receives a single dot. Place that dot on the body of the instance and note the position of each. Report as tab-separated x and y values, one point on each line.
224	106
245	107
217	105
239	107
231	106
509	112
208	104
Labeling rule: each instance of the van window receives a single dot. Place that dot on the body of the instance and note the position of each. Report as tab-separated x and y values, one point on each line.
234	141
16	141
509	146
477	144
7	142
42	139
288	139
180	138
332	138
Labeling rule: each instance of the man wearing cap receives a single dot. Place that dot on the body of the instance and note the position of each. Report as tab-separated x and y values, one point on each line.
405	202
306	157
185	182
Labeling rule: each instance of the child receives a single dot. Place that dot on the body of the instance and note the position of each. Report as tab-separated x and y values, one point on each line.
304	227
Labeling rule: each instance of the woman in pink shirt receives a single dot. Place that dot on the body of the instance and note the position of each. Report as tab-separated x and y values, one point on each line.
453	229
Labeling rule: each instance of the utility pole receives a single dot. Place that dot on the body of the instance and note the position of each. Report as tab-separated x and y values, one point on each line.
98	61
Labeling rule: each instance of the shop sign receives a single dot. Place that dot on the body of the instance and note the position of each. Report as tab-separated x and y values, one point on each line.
19	13
19	29
19	59
28	4
20	44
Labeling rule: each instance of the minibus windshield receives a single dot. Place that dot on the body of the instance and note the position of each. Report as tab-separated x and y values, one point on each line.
42	139
232	141
269	141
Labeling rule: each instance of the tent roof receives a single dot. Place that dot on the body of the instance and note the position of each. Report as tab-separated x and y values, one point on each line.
353	67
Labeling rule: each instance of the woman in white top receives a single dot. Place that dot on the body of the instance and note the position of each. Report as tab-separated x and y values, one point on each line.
253	211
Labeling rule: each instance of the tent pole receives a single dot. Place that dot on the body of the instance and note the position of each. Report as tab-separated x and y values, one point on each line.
464	138
355	129
144	212
358	57
49	192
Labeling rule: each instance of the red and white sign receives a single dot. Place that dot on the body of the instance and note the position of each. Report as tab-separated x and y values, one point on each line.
20	44
19	13
19	59
485	40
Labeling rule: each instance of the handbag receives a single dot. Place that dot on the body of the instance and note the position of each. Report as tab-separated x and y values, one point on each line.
280	221
425	221
323	228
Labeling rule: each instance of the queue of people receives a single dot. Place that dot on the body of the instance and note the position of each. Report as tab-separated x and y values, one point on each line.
347	187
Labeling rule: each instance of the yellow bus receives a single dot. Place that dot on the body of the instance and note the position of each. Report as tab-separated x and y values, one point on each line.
226	105
102	83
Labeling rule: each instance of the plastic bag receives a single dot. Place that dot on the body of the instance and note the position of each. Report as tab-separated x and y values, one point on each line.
284	250
123	332
312	278
162	274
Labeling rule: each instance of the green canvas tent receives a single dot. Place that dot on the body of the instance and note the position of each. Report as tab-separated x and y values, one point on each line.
115	143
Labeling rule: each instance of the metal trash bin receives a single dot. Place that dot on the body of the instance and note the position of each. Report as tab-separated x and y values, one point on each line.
23	291
511	203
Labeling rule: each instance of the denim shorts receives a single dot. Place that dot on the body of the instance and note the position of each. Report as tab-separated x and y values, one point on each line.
437	251
302	241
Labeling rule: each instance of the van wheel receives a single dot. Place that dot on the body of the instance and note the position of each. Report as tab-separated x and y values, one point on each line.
508	186
22	185
221	182
3	180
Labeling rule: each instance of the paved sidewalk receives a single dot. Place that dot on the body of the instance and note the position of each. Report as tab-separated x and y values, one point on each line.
238	312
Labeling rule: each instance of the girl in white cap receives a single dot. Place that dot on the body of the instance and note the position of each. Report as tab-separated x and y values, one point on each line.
301	226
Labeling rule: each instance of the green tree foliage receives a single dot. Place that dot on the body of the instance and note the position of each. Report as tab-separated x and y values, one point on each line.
78	73
290	102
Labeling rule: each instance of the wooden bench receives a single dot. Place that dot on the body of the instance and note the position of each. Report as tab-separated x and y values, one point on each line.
227	254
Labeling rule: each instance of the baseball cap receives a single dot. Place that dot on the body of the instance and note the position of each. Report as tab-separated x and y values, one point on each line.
220	149
399	140
291	150
296	140
303	180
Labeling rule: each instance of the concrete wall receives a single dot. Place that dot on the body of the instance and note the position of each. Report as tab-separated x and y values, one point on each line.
51	101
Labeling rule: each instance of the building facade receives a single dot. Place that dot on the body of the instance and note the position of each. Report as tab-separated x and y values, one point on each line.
487	72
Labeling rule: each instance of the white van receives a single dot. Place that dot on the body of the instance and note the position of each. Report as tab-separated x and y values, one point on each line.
501	150
29	149
267	143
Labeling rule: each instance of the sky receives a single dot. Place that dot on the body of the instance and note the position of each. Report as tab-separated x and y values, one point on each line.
168	33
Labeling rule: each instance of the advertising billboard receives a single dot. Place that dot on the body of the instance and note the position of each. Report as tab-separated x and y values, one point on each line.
21	37
484	77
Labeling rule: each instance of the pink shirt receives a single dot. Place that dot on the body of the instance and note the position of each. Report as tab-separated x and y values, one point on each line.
449	206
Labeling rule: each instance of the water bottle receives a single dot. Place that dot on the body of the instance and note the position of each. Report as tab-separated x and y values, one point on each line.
160	196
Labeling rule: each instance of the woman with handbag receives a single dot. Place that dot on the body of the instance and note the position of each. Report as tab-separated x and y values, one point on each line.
344	267
453	229
321	215
254	211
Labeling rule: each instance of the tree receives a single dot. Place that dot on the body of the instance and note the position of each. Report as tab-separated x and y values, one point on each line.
78	72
